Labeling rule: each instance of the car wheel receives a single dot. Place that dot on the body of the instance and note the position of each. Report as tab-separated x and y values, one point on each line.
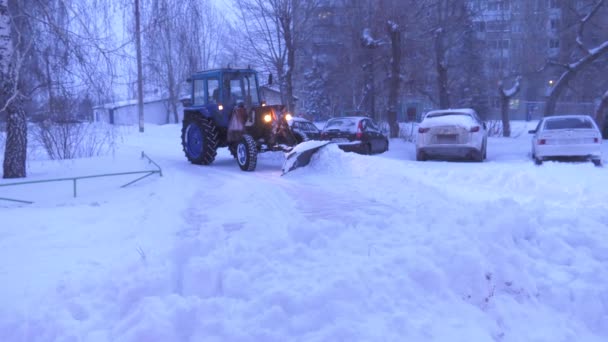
421	156
478	156
596	162
299	138
247	153
367	149
485	150
386	148
538	161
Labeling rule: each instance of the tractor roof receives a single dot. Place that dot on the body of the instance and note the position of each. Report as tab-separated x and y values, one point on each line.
222	71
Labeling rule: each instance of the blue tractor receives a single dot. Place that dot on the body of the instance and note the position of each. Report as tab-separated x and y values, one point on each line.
216	96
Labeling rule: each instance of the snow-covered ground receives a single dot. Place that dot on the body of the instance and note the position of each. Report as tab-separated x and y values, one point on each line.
349	248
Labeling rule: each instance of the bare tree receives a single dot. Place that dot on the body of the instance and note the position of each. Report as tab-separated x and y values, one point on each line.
11	61
447	24
572	69
275	30
181	37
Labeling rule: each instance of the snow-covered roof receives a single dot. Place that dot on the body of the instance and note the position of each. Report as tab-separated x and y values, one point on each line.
272	87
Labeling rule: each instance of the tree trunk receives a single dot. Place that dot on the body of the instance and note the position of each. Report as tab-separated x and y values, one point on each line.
505	99
442	70
600	115
15	150
504	114
140	81
171	76
394	79
290	49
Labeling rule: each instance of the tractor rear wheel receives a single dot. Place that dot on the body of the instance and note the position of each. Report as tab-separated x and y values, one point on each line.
247	153
199	140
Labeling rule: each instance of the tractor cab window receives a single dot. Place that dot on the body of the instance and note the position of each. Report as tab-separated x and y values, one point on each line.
251	90
236	92
199	92
213	90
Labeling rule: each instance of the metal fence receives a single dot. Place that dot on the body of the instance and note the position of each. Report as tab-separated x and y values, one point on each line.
74	180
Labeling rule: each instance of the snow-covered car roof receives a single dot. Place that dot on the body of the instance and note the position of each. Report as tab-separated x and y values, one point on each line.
451	111
569	116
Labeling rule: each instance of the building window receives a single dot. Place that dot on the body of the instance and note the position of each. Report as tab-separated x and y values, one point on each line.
554	43
326	17
499	44
497	25
498	5
554	24
553	3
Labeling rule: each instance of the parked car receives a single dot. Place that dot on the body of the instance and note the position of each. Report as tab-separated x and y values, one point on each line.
567	136
304	129
355	134
452	133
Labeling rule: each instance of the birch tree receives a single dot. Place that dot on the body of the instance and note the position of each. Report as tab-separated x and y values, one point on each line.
11	60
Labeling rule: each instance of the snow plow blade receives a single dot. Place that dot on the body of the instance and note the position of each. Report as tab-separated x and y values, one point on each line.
300	155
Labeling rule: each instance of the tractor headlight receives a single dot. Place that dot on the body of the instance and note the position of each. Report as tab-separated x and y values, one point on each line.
288	117
267	118
220	107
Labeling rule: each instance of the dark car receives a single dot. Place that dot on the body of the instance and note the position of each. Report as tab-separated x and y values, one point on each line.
355	134
304	129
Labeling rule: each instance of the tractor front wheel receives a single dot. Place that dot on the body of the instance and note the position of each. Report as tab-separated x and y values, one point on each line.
199	140
247	153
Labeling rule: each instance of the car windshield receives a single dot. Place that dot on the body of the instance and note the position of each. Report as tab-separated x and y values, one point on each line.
568	123
305	126
310	127
342	124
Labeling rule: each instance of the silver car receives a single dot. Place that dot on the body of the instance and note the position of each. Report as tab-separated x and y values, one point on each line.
452	133
567	136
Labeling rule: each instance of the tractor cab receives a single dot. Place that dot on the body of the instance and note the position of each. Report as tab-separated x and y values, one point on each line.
219	91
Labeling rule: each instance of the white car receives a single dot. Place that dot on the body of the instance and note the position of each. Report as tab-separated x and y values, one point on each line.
452	133
567	136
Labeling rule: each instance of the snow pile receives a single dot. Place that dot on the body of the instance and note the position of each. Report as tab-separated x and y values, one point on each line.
350	247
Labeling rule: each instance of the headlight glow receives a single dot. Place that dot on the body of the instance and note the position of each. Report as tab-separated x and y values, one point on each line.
267	118
288	117
220	107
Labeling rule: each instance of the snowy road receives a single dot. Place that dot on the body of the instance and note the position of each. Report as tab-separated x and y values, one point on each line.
350	248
